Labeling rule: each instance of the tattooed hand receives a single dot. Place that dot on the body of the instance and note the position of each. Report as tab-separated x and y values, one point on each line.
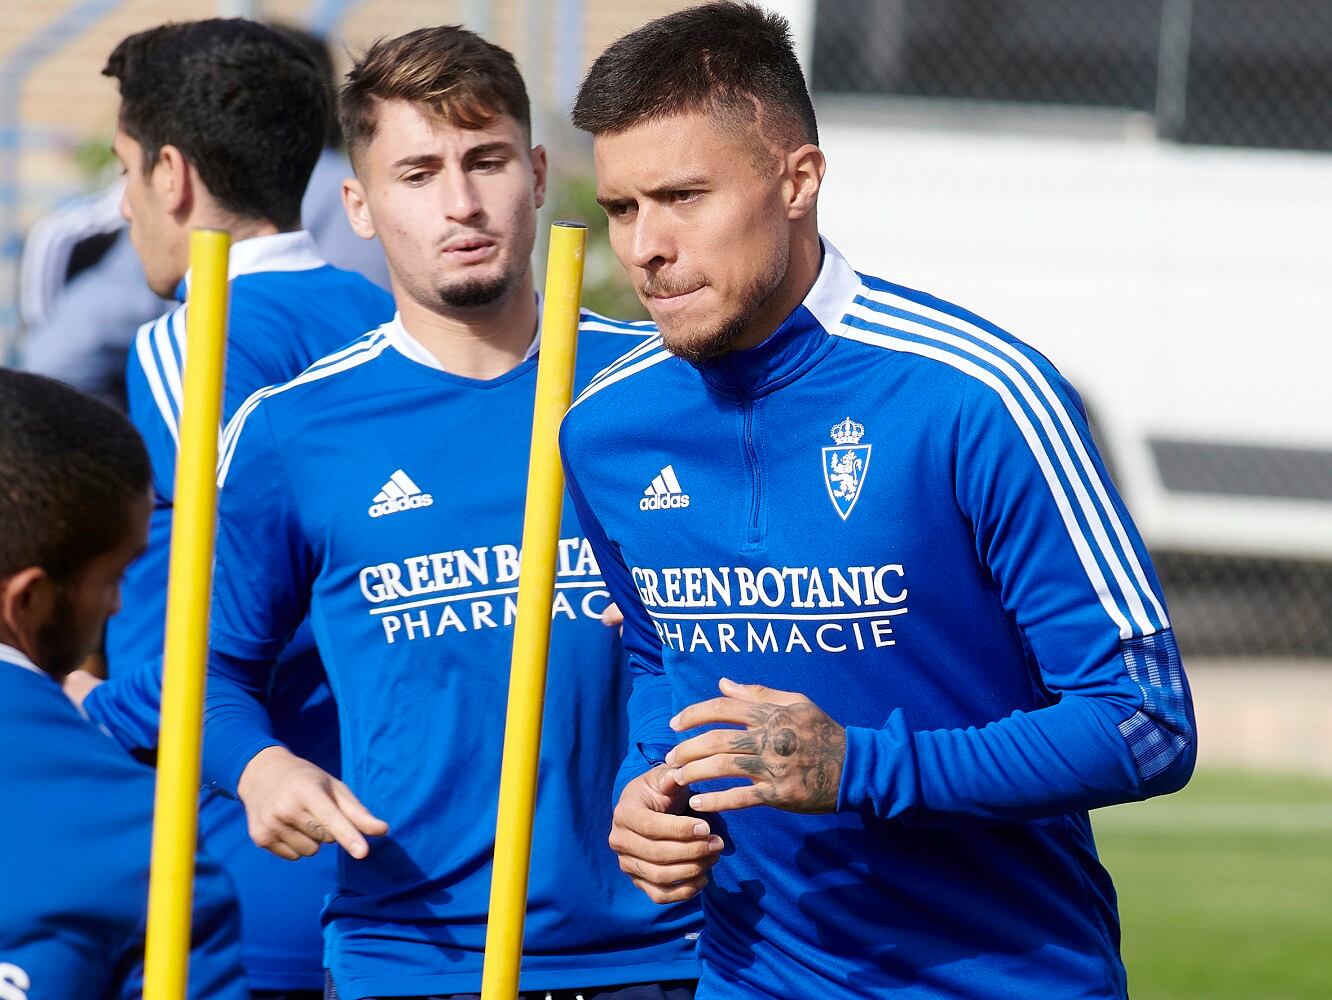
790	749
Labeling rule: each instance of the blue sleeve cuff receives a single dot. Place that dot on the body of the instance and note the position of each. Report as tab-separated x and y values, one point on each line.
878	773
232	757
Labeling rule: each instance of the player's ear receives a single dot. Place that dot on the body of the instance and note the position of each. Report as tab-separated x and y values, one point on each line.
539	168
174	180
357	209
27	601
804	175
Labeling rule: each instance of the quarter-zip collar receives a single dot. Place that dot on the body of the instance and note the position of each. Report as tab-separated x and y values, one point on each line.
795	346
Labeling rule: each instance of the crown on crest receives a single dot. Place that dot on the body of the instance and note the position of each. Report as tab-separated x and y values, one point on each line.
848	432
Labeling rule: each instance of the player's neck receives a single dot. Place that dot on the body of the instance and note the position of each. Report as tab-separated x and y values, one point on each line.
483	342
803	266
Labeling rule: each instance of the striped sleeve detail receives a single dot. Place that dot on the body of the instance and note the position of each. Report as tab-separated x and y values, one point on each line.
1159	732
159	349
881	317
364	349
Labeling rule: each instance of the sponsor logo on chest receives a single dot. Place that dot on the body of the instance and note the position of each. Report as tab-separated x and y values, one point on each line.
398	494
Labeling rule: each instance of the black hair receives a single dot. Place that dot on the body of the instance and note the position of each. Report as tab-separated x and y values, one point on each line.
725	58
70	468
243	102
316	48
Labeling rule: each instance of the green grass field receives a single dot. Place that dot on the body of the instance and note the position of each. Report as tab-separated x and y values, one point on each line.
1225	890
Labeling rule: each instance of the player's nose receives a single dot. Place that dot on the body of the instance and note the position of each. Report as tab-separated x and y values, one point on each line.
461	201
653	242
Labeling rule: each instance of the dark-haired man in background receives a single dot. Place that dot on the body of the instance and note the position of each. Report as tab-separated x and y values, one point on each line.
220	125
890	513
82	292
74	842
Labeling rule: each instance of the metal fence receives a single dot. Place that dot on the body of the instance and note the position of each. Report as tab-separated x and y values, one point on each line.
1213	72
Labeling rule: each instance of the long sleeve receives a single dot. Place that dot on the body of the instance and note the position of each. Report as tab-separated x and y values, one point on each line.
1074	576
128	705
649	709
261	586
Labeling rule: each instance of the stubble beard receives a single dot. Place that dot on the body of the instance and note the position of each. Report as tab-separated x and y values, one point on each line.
472	292
57	644
719	339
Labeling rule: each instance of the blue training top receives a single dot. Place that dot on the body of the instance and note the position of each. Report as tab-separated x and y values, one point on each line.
896	509
384	497
75	839
287	308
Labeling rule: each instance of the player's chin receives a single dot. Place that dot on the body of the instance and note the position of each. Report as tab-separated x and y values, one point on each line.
692	342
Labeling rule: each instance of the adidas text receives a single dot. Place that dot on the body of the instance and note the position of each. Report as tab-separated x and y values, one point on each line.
401	503
664	502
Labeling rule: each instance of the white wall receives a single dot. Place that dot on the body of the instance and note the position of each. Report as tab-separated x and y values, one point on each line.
1186	291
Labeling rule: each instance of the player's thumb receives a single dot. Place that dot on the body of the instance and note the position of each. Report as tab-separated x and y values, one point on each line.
361	817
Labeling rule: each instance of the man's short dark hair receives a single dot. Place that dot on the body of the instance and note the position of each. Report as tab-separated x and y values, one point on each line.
733	60
455	73
316	47
70	468
241	101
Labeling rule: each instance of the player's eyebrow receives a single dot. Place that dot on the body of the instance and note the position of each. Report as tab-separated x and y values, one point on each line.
657	191
686	183
489	149
419	160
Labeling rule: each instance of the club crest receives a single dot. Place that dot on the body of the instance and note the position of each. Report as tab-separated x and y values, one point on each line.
845	465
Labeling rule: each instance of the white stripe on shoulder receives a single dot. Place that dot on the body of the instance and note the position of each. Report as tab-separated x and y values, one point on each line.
590	320
1053	405
620	374
143	348
358	353
168	336
649	345
970	367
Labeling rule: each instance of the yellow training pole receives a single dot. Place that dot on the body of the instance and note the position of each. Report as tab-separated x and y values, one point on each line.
176	816
531	636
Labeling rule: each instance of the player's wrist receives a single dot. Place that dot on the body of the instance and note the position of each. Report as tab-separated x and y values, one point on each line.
255	772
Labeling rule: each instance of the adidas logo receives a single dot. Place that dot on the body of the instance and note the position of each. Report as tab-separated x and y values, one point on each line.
664	493
399	493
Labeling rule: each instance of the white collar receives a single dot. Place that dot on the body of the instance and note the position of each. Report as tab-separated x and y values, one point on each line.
413	350
834	290
8	654
294	251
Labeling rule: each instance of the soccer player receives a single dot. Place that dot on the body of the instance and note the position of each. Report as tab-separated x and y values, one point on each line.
220	124
889	513
74	502
381	493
